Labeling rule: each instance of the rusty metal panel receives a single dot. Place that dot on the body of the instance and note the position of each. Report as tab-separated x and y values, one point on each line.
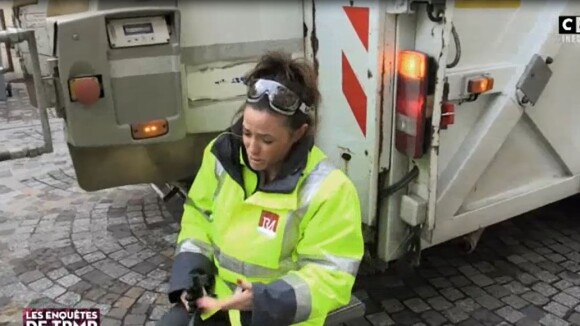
65	7
20	3
216	53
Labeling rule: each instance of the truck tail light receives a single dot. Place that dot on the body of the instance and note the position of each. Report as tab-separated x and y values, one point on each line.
412	82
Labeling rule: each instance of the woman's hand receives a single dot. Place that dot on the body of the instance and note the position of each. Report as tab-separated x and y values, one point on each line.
241	300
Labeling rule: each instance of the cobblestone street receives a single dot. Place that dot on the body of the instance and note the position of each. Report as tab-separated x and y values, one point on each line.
63	247
523	272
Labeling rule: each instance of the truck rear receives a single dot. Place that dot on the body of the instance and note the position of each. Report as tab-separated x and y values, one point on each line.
449	116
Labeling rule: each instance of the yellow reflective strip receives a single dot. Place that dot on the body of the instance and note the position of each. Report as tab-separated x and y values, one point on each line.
333	263
251	270
194	246
314	180
220	176
303	297
219	169
308	189
487	3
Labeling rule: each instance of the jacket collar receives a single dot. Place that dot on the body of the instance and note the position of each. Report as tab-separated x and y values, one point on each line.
231	153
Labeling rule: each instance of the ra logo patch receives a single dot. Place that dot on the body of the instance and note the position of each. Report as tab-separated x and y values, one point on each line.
268	223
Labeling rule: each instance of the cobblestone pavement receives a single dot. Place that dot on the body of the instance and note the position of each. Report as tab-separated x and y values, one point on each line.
63	247
20	125
523	272
17	109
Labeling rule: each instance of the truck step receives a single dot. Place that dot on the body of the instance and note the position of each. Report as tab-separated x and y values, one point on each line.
353	310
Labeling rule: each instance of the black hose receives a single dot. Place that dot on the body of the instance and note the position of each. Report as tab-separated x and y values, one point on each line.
457	47
438	18
390	190
412	242
432	17
401	183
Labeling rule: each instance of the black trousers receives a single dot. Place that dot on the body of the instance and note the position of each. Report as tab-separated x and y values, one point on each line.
178	316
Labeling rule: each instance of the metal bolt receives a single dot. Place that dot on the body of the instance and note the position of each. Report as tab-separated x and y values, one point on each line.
76	37
525	100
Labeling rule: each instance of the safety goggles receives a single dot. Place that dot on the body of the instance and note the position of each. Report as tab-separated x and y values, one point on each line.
281	99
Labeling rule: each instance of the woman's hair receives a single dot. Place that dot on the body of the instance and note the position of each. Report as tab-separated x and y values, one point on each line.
296	75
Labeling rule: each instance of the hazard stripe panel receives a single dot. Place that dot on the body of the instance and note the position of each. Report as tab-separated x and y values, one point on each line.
351	86
359	18
354	93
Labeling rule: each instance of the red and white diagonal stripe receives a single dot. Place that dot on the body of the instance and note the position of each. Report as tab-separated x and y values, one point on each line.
352	88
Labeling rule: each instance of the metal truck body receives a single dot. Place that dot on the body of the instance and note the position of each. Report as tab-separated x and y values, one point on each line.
483	157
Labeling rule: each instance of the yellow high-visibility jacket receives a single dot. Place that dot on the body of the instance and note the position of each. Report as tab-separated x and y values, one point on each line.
298	239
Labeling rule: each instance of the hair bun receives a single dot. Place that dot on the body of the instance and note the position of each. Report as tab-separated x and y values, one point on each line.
274	65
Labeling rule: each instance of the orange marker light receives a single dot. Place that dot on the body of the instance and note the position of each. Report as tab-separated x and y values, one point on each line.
149	129
479	85
412	64
86	90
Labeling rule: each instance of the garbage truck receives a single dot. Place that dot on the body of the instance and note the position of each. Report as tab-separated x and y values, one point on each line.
448	116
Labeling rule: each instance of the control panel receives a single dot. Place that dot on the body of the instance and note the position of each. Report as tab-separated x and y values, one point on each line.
130	32
120	75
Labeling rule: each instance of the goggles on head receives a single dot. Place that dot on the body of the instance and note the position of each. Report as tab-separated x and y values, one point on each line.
281	99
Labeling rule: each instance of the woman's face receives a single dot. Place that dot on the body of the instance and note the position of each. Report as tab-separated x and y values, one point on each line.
267	138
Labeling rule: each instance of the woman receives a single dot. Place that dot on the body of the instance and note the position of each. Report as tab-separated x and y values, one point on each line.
268	215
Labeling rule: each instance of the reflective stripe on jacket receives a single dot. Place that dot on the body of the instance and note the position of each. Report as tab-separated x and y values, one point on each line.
298	241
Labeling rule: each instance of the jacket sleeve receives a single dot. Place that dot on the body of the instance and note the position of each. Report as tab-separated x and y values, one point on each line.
329	256
194	252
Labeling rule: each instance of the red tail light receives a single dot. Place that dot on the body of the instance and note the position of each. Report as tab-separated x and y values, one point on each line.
410	103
